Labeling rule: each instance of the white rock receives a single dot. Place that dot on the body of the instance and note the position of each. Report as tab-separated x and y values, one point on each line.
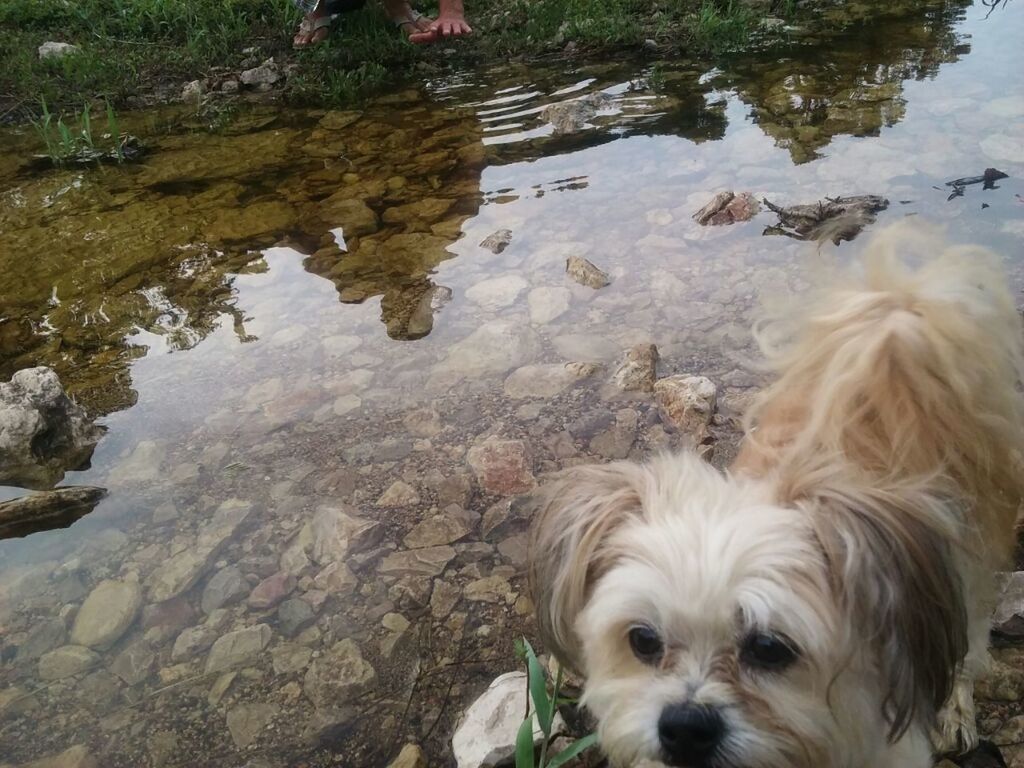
487	734
106	613
54	50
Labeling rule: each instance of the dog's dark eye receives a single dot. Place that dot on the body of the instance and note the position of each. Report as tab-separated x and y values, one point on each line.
646	644
767	651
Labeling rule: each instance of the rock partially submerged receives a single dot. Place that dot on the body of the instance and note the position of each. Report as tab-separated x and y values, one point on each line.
586	273
728	208
43	433
47	510
571	116
496	242
834	218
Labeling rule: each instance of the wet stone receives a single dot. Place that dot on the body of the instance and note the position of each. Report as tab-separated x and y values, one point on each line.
548	304
193	641
502	467
107	613
338	676
498	241
225	587
452	524
638	370
246	721
411	756
686	403
399	494
491	589
616	442
44	637
293	616
336	534
290	658
66	661
271	591
336	579
76	757
542	381
423	422
238	648
134	664
429	561
586	273
444	598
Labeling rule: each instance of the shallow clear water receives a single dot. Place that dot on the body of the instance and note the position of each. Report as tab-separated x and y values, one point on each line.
294	310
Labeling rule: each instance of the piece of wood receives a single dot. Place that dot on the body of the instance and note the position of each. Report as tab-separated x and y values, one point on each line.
47	510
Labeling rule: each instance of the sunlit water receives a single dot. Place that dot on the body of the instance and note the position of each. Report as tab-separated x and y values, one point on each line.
294	311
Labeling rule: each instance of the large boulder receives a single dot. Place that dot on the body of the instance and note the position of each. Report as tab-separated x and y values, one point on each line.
43	433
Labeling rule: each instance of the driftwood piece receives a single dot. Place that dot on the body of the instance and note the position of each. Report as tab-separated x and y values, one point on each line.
834	218
988	181
47	510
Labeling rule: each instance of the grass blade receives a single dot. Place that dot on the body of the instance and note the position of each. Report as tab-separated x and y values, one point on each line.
539	690
571	751
524	744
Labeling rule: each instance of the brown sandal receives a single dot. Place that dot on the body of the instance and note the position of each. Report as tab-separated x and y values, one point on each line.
310	27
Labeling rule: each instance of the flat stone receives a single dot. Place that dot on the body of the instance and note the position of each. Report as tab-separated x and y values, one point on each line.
290	658
43	638
502	467
399	494
107	613
496	292
444	598
225	587
338	676
16	702
423	422
686	403
271	591
617	441
294	615
193	641
490	589
336	534
134	664
336	579
238	648
246	721
638	370
586	273
544	380
452	524
78	756
494	347
498	241
547	304
429	561
66	661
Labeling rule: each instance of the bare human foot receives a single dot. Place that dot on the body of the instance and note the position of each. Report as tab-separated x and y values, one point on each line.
314	28
411	22
450	22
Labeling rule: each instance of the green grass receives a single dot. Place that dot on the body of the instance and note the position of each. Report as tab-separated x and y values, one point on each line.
73	141
151	47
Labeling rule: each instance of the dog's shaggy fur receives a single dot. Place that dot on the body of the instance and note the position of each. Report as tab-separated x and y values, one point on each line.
875	494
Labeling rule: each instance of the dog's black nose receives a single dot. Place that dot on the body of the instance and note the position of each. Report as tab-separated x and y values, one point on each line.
689	734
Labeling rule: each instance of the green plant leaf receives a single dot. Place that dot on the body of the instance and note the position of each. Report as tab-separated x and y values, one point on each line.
571	751
539	690
524	744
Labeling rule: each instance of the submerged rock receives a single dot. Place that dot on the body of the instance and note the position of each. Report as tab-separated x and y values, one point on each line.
107	613
487	734
66	661
502	467
728	208
42	432
78	756
572	116
246	721
411	756
498	241
339	675
585	273
238	648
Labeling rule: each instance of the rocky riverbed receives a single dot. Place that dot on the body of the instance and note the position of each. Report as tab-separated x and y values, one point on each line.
334	351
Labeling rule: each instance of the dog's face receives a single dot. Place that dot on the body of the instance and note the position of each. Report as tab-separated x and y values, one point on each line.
706	619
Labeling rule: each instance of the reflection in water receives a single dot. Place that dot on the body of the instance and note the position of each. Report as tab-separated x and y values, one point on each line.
290	472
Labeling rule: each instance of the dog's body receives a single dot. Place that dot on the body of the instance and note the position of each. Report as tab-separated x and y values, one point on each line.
818	605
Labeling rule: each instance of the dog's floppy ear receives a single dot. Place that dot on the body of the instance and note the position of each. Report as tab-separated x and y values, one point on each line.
578	509
891	558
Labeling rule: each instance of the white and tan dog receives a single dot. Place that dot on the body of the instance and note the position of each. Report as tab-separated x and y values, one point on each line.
825	603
